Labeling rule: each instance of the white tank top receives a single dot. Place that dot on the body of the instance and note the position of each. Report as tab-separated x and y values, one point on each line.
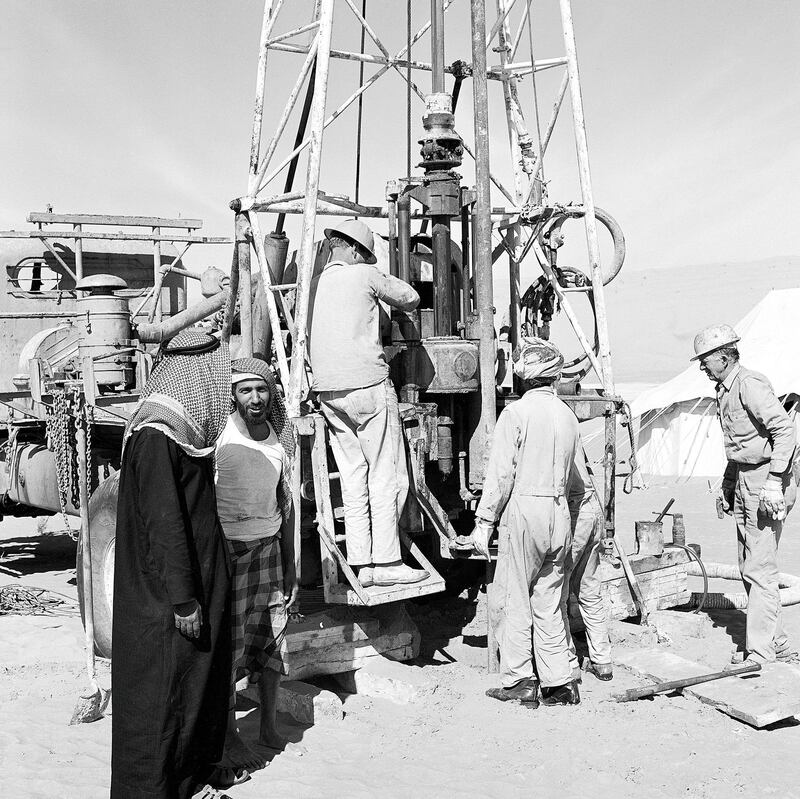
247	474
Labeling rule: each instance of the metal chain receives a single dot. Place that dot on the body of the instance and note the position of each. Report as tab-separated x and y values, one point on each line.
73	451
89	412
57	432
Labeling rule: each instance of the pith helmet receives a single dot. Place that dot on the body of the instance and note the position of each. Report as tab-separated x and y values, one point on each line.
537	359
713	338
357	232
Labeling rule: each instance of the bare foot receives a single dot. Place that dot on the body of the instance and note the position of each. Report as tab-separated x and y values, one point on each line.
272	739
239	755
277	742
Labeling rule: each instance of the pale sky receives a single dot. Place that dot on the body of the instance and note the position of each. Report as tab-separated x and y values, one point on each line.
692	109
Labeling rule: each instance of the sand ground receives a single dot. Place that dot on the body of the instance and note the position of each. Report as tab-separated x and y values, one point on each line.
454	743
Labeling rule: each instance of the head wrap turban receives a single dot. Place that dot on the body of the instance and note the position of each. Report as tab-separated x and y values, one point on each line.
187	396
537	359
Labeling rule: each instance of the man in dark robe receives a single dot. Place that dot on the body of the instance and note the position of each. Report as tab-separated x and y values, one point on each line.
171	628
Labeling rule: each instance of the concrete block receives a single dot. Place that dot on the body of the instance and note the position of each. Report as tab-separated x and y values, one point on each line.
387	679
305	703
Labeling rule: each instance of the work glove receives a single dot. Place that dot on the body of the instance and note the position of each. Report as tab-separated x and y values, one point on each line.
771	501
480	537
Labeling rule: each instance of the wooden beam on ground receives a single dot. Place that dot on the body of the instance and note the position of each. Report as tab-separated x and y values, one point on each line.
347	638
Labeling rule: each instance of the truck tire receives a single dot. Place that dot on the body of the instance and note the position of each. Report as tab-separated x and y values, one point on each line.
103	526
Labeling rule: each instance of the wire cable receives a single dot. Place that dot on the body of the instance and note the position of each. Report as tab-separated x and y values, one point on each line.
536	105
360	104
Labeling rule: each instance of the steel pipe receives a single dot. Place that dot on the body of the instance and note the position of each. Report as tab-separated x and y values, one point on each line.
156	333
404	237
437	46
484	300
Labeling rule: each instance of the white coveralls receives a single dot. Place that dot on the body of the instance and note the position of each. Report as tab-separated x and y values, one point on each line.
534	446
584	581
359	403
759	438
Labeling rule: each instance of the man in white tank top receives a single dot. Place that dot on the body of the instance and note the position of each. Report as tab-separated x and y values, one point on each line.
254	505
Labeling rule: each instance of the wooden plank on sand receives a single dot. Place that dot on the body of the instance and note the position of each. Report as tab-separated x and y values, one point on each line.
759	699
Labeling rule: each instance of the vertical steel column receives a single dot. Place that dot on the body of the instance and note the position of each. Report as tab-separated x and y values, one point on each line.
78	254
479	445
513	237
261	74
404	237
442	285
306	260
610	472
437	46
243	234
157	278
466	253
392	225
586	191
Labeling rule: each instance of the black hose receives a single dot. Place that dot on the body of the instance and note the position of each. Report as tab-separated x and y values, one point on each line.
692	554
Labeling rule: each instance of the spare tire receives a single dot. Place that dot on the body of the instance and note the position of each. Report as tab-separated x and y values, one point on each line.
103	531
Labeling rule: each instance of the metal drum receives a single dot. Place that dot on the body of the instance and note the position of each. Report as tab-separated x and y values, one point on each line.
104	323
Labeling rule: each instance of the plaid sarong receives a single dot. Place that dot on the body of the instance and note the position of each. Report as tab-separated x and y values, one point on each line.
259	611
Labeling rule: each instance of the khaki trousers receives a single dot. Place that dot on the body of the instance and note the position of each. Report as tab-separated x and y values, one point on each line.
758	537
367	444
534	542
584	582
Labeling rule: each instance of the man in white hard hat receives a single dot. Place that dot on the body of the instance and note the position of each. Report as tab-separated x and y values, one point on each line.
534	447
757	488
358	401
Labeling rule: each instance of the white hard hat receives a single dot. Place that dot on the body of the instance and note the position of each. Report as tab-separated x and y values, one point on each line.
713	338
357	232
537	358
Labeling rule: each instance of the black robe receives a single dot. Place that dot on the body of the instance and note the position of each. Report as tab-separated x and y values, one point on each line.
171	694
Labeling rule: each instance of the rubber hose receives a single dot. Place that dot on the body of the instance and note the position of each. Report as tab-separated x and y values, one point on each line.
788	583
694	556
611	225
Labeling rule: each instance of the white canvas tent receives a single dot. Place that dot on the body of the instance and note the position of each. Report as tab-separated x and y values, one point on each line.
679	434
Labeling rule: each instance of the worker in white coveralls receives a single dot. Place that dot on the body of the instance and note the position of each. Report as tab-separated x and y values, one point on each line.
758	486
586	515
358	401
535	444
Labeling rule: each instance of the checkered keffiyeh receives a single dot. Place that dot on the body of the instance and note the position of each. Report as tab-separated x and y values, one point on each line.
187	396
259	616
276	414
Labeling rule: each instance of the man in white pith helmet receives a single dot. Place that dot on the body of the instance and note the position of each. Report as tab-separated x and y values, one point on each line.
535	444
358	401
757	487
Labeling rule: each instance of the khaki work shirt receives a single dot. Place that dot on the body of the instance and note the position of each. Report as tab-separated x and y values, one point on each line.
344	324
755	426
534	449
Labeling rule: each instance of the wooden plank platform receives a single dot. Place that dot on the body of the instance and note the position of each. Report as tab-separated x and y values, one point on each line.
378	595
771	695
